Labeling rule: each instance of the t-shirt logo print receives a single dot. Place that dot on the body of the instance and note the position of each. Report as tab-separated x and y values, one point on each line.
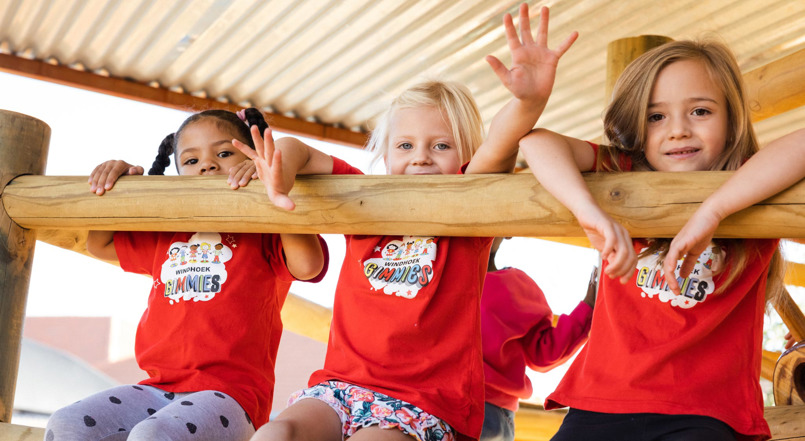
694	289
405	266
195	270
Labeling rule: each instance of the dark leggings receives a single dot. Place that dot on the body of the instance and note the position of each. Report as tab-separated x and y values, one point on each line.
582	425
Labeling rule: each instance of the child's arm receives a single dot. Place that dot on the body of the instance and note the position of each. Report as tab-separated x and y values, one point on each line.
557	161
774	168
530	80
303	255
278	164
101	244
556	344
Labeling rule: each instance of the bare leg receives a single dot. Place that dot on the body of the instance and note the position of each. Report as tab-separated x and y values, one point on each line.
306	420
375	433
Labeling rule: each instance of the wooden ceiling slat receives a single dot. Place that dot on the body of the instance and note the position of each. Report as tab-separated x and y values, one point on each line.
132	90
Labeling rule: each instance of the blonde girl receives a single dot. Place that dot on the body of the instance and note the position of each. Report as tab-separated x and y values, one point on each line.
674	350
404	357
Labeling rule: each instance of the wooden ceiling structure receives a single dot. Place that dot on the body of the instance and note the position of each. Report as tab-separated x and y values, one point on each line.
325	69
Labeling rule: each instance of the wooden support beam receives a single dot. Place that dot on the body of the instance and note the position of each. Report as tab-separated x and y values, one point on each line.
648	204
623	51
776	87
136	91
795	274
16	243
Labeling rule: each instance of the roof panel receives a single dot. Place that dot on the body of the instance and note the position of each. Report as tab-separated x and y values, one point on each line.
340	61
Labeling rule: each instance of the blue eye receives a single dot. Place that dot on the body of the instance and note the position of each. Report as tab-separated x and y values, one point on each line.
405	146
441	146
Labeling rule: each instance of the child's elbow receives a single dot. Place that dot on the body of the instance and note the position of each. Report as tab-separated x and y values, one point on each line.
308	269
536	137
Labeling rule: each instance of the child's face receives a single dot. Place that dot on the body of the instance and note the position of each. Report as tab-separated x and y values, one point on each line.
687	119
204	149
421	143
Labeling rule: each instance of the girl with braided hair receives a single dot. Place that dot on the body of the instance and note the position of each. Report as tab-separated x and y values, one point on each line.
209	336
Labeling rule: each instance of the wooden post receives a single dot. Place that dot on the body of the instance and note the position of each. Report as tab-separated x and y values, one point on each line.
623	51
23	150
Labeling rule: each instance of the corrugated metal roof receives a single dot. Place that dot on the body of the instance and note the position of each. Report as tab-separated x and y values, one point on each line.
338	62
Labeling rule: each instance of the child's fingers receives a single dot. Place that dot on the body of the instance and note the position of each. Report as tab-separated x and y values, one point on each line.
268	144
511	33
542	30
499	68
566	44
246	150
525	25
669	269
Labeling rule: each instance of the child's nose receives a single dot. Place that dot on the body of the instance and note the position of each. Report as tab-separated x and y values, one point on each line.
678	128
421	155
208	166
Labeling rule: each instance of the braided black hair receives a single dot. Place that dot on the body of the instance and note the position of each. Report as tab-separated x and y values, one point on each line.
225	120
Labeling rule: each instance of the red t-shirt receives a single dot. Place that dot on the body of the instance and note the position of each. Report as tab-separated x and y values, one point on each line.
406	322
518	332
696	354
213	316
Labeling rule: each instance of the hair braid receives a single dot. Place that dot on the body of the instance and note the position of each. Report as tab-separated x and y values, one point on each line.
163	158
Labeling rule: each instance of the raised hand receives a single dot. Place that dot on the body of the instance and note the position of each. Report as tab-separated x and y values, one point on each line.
533	68
104	176
268	163
689	244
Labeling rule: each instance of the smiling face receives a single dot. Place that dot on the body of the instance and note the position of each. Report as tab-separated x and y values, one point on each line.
421	142
203	148
687	119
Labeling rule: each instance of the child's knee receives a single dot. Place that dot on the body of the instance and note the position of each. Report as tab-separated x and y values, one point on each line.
280	430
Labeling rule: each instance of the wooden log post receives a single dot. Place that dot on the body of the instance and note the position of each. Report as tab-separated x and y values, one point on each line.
623	51
23	149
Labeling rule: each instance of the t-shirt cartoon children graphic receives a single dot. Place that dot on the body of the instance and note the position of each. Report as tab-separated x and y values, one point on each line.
183	255
196	282
205	252
174	254
194	253
694	289
217	252
402	268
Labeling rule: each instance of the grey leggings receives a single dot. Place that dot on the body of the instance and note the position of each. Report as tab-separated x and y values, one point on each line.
145	413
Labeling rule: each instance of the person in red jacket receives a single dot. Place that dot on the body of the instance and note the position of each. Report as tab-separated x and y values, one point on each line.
518	332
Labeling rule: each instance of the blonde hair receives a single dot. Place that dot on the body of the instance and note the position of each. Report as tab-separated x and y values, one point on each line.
626	120
453	99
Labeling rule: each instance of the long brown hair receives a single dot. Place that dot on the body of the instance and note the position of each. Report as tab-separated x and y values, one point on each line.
625	126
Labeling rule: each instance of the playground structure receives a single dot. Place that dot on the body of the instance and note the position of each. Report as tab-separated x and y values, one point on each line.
60	210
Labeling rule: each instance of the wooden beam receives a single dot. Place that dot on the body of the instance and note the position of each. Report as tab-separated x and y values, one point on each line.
15	432
786	422
623	51
648	204
776	87
16	243
795	274
136	91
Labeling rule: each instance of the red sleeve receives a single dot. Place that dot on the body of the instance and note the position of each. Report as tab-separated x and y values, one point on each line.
553	345
625	161
137	258
341	167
